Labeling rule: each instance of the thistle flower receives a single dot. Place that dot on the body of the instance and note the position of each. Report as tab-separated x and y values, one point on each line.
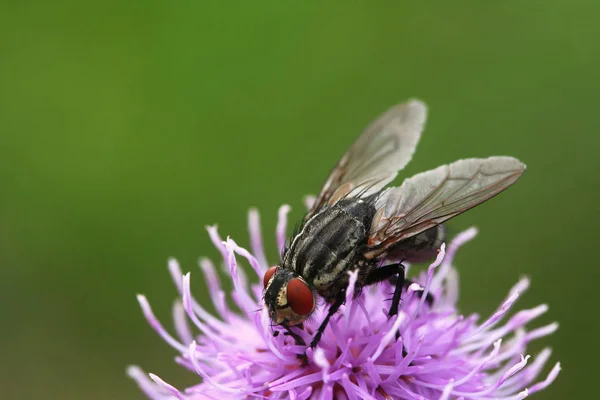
440	354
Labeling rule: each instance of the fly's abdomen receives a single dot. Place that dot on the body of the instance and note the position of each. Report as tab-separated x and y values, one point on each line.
419	248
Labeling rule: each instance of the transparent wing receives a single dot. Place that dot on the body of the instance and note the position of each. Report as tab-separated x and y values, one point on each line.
430	198
373	161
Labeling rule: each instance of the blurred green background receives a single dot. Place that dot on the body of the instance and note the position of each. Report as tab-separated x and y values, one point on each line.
126	127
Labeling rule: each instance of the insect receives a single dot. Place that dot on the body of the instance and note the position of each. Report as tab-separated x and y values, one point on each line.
358	223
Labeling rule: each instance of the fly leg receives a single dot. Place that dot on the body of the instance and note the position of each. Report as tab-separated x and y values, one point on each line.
299	341
392	272
419	291
386	272
395	274
339	300
289	332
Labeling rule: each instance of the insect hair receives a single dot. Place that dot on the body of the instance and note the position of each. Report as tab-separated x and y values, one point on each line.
368	185
295	231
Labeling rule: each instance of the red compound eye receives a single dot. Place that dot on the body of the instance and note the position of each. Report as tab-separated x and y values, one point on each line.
268	275
300	297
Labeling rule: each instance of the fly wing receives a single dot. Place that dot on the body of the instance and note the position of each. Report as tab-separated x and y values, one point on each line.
384	148
430	198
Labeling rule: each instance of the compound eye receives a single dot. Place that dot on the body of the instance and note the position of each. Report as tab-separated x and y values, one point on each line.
268	275
300	297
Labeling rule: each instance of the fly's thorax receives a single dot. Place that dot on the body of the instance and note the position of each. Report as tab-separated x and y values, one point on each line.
330	244
289	298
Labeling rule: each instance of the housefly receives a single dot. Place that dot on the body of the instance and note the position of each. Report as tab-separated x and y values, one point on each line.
358	223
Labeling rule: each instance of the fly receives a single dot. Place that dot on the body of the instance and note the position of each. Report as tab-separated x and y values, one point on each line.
358	223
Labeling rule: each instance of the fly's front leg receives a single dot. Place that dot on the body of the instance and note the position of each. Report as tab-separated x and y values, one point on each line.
289	332
339	300
299	341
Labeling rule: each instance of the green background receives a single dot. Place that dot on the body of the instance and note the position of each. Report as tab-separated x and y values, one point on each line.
126	127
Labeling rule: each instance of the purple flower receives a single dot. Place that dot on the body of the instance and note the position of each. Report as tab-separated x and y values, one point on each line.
448	355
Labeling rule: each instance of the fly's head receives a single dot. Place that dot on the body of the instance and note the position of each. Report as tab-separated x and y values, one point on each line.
289	298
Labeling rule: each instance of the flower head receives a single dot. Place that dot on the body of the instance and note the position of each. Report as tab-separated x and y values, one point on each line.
440	354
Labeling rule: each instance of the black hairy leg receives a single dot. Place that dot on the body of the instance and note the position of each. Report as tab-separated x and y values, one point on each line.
333	308
340	298
395	273
289	332
299	341
386	272
407	282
